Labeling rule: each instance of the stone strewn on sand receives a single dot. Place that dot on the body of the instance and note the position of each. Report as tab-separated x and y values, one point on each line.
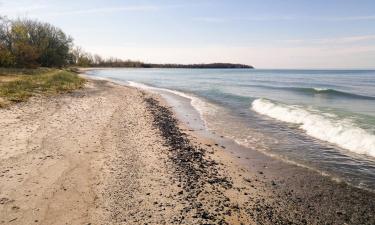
202	185
109	154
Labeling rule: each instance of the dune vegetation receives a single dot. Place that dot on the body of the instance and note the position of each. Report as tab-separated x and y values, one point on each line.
18	86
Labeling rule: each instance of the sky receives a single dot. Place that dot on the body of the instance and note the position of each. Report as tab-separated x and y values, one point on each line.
264	33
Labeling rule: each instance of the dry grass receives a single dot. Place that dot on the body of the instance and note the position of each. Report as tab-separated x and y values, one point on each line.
20	87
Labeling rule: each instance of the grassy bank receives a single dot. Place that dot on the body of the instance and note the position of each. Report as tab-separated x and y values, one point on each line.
19	85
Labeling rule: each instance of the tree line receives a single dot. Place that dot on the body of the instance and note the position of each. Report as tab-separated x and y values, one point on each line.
26	43
199	66
29	44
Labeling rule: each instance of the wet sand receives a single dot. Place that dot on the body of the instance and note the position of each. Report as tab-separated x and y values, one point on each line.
109	154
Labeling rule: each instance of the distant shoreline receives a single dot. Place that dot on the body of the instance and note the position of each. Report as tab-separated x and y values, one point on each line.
173	66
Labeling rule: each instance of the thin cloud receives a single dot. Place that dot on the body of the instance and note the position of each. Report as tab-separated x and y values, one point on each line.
351	18
36	9
259	18
22	6
211	19
336	40
282	18
108	10
20	9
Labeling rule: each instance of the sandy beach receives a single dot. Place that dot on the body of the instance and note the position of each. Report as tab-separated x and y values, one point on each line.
111	154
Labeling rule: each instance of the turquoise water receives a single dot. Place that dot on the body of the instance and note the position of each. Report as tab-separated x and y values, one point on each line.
321	119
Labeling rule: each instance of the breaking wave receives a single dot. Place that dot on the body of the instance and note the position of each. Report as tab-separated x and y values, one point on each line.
323	126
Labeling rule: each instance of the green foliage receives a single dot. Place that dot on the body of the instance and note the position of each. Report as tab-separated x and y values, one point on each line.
25	55
7	59
52	82
29	44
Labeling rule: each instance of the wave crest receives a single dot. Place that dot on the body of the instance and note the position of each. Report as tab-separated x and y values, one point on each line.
318	125
328	92
335	93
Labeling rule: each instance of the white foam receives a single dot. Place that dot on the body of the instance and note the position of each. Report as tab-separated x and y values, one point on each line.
343	133
204	108
321	89
141	86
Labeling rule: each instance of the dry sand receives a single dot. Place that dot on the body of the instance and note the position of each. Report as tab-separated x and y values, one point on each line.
91	157
109	154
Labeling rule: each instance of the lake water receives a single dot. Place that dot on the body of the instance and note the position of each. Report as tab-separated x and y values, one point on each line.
320	119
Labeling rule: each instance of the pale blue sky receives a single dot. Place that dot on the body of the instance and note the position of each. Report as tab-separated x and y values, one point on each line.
263	33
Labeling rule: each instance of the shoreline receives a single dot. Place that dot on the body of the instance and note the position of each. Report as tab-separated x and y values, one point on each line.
141	165
279	180
188	111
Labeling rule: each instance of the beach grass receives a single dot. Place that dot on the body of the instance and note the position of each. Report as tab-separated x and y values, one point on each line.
19	85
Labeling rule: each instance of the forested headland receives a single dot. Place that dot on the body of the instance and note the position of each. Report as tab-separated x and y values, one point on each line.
26	43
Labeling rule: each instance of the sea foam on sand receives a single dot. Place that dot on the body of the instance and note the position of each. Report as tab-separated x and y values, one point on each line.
203	107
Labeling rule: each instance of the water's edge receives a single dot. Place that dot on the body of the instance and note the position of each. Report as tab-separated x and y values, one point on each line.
187	109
